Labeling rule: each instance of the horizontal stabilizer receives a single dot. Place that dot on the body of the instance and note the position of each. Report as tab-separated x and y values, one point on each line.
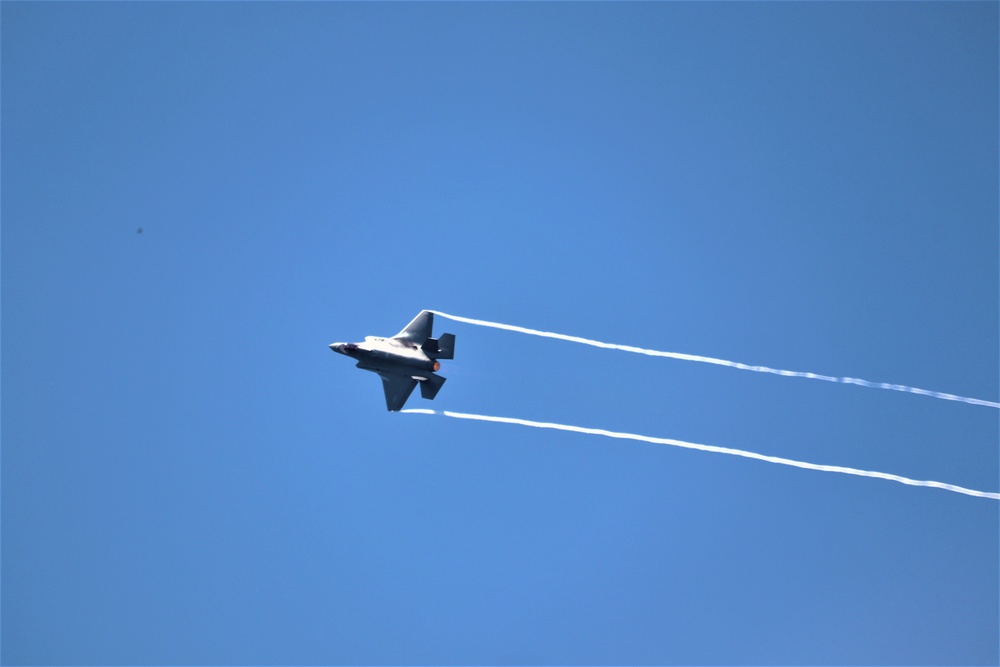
431	386
440	348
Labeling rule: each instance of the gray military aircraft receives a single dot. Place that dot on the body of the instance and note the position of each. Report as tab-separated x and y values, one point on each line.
409	357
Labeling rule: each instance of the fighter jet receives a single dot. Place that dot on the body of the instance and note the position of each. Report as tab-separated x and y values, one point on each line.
409	357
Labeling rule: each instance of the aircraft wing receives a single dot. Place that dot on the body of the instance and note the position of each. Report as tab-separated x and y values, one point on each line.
397	389
419	329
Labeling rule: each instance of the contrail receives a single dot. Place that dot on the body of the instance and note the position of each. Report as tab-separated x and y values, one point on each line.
720	362
712	448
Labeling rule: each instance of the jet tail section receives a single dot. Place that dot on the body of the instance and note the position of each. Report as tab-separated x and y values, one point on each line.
446	346
431	386
440	348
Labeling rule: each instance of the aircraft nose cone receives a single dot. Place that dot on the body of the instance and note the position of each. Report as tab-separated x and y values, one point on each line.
348	349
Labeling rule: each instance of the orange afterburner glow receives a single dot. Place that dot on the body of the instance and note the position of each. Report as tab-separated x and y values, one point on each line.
437	365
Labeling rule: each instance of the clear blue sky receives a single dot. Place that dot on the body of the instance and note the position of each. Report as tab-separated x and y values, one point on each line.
189	475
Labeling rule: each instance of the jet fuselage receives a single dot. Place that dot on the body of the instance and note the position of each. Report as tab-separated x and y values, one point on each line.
388	355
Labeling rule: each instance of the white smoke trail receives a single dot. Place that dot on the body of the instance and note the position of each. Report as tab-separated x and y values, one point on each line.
721	362
711	448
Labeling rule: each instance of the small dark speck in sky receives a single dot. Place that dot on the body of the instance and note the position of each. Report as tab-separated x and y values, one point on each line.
139	231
